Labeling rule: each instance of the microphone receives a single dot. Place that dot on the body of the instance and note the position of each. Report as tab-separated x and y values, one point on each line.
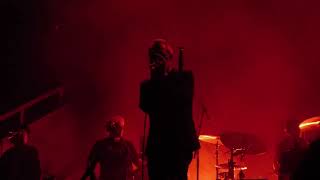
181	49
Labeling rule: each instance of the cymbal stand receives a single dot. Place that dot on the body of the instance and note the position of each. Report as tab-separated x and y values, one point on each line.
217	160
231	166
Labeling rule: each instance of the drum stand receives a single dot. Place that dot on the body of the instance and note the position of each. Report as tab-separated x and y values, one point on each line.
241	173
231	165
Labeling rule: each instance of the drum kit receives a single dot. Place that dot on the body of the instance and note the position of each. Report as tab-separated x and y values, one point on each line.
236	145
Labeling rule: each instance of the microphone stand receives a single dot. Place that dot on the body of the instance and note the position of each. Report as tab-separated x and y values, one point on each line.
204	112
143	144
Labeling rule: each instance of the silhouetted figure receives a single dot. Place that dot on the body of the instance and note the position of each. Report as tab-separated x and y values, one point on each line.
117	156
167	98
290	151
20	162
309	166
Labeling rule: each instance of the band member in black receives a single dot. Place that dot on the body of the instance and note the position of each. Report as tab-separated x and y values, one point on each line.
309	165
20	162
289	151
117	156
167	98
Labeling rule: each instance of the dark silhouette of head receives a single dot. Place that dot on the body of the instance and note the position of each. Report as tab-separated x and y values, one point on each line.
20	136
292	127
160	57
115	126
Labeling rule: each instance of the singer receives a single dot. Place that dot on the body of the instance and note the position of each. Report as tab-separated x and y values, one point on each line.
167	98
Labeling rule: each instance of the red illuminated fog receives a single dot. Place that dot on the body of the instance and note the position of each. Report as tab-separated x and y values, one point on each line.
255	65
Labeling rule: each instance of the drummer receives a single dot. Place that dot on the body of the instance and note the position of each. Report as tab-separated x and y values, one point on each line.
309	166
289	151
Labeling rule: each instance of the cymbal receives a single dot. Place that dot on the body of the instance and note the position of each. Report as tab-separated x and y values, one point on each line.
237	152
210	139
313	122
226	166
249	143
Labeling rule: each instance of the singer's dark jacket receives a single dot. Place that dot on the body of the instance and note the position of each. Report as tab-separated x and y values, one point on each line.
168	102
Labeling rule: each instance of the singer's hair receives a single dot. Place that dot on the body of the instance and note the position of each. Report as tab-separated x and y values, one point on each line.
160	48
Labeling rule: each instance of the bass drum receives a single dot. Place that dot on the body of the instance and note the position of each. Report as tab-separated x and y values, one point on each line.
207	159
